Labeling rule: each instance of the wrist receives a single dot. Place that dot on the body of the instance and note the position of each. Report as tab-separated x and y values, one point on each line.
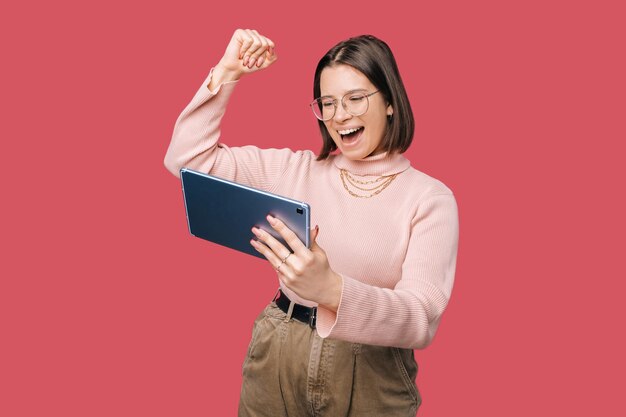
222	75
333	295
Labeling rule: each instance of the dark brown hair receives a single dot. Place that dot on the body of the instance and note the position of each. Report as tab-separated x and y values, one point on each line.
375	60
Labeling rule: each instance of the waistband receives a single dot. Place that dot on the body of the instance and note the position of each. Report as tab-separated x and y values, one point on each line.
299	312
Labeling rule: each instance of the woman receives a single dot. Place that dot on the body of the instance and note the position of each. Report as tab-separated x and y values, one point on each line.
338	339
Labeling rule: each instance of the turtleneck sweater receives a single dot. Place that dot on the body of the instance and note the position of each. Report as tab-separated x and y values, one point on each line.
396	252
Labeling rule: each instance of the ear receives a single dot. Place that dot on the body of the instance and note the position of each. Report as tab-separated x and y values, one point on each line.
390	110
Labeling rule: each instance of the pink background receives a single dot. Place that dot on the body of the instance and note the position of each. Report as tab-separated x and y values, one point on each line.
109	308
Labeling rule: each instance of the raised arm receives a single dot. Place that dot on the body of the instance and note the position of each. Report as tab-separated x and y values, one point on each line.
195	142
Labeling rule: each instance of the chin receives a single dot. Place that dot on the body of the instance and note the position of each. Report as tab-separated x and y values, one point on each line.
355	155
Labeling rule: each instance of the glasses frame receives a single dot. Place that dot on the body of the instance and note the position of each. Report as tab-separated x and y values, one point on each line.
343	104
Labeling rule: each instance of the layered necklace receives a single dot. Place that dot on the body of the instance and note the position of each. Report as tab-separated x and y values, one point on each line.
365	189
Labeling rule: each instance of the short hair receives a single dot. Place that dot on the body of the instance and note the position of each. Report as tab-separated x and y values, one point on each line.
374	59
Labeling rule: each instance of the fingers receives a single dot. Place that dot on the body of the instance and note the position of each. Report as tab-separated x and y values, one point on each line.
273	249
271	242
247	52
290	237
255	48
314	234
269	254
280	257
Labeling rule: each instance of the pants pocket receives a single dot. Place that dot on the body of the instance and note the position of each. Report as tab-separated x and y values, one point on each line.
256	329
407	367
384	382
265	340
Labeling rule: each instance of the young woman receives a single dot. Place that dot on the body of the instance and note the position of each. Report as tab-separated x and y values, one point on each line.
338	339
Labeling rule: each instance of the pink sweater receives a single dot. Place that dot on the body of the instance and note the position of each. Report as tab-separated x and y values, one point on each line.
395	251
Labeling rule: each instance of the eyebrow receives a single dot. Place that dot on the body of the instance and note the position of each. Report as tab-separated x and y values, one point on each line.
347	92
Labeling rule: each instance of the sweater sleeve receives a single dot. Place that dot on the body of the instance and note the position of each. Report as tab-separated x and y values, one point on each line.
195	144
408	315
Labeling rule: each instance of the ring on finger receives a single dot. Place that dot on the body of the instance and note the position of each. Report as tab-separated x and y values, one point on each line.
283	261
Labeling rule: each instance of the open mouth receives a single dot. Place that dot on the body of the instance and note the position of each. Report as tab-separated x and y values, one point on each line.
350	135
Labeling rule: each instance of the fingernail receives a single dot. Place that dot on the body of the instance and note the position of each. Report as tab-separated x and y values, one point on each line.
245	60
256	231
251	62
260	62
271	220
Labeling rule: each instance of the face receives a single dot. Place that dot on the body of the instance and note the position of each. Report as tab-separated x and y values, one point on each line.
338	80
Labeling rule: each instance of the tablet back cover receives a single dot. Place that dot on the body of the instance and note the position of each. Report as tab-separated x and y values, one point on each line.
223	212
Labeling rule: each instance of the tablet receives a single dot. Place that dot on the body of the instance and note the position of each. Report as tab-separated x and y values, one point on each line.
223	212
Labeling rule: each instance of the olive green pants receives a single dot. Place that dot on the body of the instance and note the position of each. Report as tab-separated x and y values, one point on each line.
289	371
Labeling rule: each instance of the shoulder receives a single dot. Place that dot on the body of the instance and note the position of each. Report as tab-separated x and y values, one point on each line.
430	201
428	197
422	186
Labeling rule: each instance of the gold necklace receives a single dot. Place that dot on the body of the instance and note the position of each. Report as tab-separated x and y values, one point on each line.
346	179
355	181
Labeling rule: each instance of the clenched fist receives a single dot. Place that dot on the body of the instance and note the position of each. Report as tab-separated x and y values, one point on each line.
247	52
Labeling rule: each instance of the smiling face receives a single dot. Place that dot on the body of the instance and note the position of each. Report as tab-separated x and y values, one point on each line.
357	137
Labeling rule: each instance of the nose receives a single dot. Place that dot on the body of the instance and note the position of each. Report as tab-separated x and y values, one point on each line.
341	114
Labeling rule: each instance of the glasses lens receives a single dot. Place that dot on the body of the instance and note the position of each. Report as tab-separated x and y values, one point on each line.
356	104
323	108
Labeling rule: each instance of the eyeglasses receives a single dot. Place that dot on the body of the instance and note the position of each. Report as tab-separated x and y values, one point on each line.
354	103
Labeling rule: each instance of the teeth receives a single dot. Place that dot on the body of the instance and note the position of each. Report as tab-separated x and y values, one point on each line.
348	131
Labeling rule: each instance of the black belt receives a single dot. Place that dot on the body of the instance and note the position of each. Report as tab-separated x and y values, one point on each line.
302	313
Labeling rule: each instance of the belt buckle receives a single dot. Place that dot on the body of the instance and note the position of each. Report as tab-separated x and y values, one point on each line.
313	317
